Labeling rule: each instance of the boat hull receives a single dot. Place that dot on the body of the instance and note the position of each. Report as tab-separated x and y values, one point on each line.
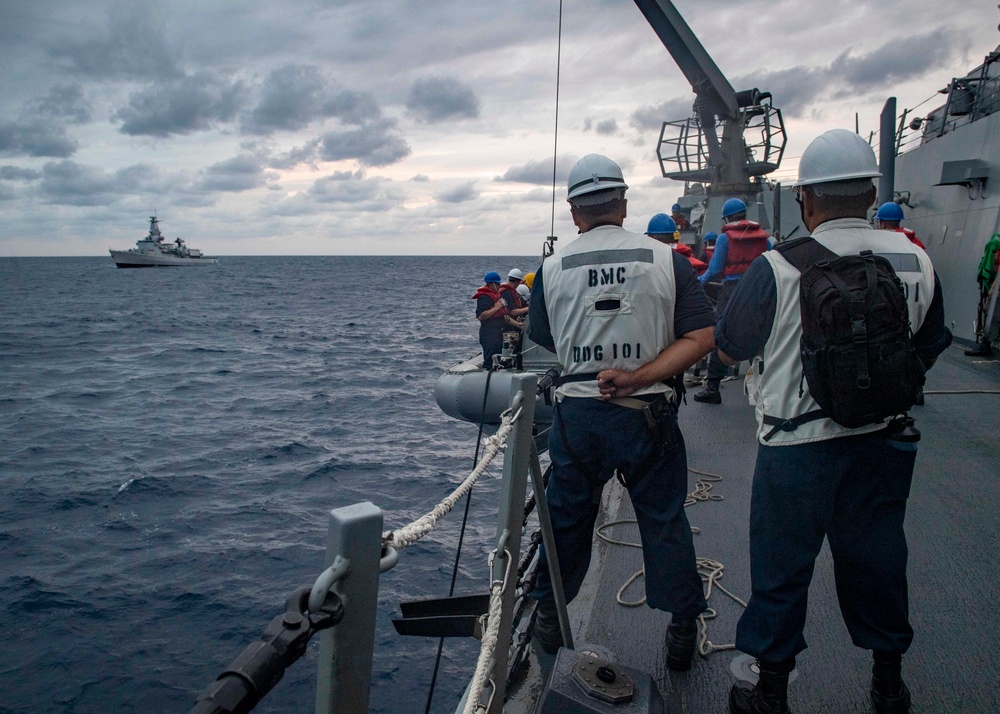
471	393
128	259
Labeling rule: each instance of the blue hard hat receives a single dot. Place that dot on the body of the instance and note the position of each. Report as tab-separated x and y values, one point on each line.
492	277
889	211
661	223
676	208
732	207
711	235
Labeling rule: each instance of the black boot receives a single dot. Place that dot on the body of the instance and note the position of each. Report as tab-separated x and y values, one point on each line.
769	696
681	636
889	692
983	349
710	395
546	631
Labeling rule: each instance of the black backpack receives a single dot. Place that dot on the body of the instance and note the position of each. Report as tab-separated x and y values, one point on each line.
857	356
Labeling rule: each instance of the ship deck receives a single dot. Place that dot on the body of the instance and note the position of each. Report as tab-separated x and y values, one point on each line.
953	527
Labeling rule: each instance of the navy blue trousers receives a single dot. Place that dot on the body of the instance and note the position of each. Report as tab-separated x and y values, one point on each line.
589	440
853	491
716	369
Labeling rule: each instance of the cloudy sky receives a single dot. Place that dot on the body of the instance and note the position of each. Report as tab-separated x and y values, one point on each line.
291	127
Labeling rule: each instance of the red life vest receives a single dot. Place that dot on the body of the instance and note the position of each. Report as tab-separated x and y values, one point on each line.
912	236
493	295
506	288
685	250
747	242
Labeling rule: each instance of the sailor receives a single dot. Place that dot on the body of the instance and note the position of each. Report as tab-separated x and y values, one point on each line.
623	314
516	306
888	218
820	478
525	292
662	228
491	311
740	242
680	220
708	245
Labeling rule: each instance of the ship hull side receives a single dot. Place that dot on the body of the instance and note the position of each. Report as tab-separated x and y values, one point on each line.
126	259
953	221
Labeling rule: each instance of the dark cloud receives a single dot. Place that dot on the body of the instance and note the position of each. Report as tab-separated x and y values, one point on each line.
420	178
539	172
651	118
64	101
376	144
896	60
459	194
352	107
70	183
293	96
796	88
67	182
16	173
7	193
133	47
607	127
305	154
345	187
181	106
35	138
437	99
240	173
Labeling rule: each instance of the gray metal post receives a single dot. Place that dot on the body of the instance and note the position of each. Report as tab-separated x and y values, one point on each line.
512	493
345	652
887	152
549	541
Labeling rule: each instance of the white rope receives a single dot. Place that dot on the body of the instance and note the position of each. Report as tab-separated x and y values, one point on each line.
489	644
493	445
711	571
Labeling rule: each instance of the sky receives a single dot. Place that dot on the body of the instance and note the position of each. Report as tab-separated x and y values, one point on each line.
405	127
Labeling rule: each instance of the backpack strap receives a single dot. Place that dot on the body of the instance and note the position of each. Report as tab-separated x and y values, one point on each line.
805	252
792	424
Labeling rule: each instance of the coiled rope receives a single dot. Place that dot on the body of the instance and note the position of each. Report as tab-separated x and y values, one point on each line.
711	571
493	445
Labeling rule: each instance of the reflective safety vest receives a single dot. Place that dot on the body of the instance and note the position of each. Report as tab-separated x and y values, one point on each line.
776	386
747	241
610	298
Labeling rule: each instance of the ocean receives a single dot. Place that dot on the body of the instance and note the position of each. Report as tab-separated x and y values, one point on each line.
171	442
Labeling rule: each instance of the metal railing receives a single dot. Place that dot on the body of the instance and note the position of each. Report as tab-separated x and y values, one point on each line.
342	604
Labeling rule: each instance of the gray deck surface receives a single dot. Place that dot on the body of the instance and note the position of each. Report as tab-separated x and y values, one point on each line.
953	527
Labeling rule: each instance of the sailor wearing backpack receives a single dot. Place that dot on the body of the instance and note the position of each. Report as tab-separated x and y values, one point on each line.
828	326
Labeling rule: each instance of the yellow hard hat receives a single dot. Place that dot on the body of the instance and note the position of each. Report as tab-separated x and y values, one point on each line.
529	279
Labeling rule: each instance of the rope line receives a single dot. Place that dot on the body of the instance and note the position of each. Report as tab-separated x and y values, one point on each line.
710	571
490	637
410	534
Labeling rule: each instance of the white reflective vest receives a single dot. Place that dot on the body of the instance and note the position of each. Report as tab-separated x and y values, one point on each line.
775	379
610	298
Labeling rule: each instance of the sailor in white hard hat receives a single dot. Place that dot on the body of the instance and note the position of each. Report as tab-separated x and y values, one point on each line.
816	477
516	306
622	313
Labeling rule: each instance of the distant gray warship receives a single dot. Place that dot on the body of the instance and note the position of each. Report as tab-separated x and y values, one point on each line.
153	252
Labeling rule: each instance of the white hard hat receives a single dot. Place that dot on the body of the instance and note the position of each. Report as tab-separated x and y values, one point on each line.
524	291
841	157
591	174
515	273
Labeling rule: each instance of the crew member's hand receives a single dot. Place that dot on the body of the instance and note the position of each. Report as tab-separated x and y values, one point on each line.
616	383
